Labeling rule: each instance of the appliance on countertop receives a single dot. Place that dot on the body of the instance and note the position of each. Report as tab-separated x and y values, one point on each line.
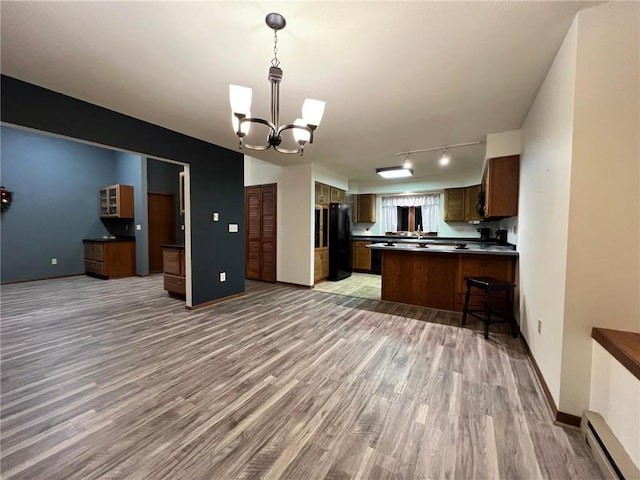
339	241
501	235
485	234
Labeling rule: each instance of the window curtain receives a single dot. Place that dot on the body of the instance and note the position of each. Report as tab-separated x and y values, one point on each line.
430	205
431	213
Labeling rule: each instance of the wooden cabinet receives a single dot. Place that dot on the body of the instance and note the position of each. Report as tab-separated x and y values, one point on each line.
321	242
174	271
470	201
116	201
337	195
361	256
460	204
366	211
478	265
109	258
501	184
321	264
436	280
426	279
325	194
454	204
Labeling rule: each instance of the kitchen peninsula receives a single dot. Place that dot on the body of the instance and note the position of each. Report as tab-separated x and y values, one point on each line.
431	274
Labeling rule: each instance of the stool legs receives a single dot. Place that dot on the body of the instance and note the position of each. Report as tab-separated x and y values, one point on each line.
515	330
487	315
465	309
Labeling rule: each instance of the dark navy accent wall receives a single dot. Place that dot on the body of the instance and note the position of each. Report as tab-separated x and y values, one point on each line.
55	184
216	173
164	177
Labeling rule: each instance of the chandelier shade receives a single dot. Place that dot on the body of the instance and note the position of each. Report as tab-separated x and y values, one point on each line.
240	101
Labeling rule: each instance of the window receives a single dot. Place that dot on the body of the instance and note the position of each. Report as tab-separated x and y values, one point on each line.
407	212
409	219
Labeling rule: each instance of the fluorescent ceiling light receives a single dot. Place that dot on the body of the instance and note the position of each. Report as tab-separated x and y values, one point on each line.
394	172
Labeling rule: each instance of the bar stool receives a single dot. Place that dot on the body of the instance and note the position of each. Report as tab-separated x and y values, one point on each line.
490	285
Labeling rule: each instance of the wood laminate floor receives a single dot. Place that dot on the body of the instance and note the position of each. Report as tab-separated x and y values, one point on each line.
113	379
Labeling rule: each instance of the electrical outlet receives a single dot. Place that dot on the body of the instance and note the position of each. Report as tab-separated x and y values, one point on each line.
540	326
233	227
223	276
182	227
54	261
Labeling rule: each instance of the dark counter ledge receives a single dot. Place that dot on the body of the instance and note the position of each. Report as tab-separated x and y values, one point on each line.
168	245
427	239
624	346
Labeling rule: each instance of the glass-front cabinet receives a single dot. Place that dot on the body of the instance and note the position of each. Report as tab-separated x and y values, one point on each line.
116	201
321	242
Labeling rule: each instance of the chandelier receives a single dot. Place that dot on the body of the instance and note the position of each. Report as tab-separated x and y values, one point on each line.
240	99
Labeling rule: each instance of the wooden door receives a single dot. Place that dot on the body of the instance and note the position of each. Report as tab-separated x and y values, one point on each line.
261	232
162	226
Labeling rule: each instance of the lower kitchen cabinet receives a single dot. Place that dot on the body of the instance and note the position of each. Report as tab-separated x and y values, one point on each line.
174	270
361	256
321	264
109	258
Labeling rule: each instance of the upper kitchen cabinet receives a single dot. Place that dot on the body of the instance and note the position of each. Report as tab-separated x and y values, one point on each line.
323	193
460	204
337	195
366	209
116	201
501	183
326	194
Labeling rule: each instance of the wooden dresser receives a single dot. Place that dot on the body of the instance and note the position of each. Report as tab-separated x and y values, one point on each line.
174	271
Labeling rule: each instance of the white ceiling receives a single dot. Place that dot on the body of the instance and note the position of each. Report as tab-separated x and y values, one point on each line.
396	76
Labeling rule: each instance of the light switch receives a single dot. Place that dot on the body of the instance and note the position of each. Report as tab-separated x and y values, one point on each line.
138	227
233	227
215	217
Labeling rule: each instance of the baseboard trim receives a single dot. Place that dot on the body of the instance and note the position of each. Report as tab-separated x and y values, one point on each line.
568	419
541	380
297	285
45	278
557	415
213	302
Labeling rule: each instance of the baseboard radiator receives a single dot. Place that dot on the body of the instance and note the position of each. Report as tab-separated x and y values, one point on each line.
612	458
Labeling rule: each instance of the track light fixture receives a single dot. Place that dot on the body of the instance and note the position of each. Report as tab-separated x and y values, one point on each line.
445	158
240	99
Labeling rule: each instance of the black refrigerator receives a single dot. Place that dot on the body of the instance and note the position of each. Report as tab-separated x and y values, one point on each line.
339	241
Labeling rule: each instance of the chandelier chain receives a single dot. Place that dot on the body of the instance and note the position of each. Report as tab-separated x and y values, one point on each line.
275	62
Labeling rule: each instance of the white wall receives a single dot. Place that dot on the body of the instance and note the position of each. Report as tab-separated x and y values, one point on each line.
615	394
578	226
294	259
603	277
323	175
545	165
503	144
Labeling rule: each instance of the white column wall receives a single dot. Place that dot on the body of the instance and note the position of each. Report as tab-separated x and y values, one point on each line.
543	210
603	271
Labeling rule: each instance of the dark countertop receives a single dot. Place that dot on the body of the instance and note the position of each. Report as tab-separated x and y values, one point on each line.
110	239
472	248
429	240
170	245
